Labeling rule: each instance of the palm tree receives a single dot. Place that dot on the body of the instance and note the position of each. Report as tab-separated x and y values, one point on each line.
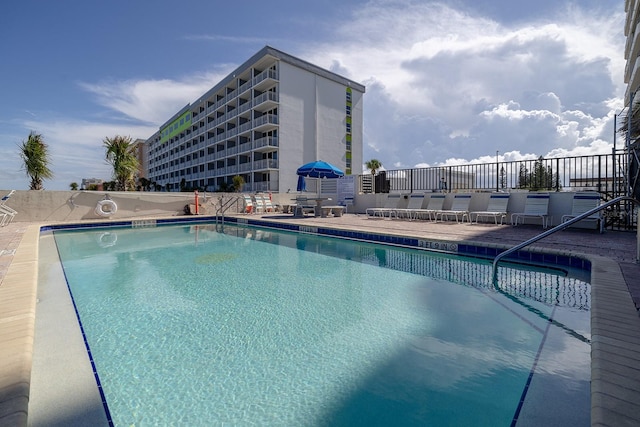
373	165
238	183
35	154
121	154
73	186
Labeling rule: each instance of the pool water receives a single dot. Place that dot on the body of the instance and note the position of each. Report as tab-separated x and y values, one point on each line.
195	325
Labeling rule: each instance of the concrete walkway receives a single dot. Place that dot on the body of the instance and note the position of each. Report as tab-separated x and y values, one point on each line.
615	282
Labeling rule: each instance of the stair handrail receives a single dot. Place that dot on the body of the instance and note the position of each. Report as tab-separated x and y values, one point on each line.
224	205
559	227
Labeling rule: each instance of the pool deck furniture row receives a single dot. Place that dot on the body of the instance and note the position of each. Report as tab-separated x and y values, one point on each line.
615	327
434	210
430	206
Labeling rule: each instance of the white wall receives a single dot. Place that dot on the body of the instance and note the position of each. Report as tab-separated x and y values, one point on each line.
35	206
313	123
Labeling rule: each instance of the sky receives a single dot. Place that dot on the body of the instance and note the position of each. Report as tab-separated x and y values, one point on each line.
447	82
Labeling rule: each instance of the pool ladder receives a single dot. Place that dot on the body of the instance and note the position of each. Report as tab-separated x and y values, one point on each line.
224	206
494	272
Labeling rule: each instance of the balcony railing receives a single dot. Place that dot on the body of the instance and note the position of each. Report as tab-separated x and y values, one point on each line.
266	74
262	186
266	141
243	148
267	96
267	118
244	167
266	164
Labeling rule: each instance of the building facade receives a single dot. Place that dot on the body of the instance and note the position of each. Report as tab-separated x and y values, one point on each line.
92	184
271	115
140	146
632	47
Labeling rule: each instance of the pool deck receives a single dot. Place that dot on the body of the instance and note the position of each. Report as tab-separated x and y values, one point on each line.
615	320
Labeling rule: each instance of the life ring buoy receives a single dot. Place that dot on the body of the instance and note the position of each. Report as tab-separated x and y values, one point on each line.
106	207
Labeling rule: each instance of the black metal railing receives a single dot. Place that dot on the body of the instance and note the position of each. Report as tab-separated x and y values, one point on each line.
604	173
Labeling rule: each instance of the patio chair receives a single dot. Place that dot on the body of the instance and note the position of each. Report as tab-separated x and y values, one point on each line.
459	209
497	208
7	213
434	205
584	202
248	204
388	210
536	206
4	217
258	204
267	204
415	204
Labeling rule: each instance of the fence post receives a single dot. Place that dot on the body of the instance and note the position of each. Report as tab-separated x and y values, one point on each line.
411	180
497	172
600	174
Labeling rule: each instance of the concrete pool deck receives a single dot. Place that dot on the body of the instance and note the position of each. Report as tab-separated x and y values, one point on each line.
615	323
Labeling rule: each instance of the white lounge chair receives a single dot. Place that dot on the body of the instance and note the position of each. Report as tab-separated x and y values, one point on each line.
584	202
258	204
7	213
536	206
497	208
459	209
4	218
434	205
388	210
248	204
415	204
267	204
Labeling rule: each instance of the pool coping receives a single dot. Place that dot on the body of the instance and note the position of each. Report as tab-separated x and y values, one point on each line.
17	327
615	324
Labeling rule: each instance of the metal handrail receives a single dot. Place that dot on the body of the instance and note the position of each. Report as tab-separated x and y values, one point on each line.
562	226
224	206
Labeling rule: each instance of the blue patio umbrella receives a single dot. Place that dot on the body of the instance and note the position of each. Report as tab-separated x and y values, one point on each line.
319	169
302	185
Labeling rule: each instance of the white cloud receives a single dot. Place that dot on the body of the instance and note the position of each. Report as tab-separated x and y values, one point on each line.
447	82
153	101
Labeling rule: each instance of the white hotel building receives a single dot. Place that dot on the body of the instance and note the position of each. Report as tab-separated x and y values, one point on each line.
271	115
632	47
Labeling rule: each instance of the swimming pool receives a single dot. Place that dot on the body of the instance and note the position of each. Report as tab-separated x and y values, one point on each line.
189	324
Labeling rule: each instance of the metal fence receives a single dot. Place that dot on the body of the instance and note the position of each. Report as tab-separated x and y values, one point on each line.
605	173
